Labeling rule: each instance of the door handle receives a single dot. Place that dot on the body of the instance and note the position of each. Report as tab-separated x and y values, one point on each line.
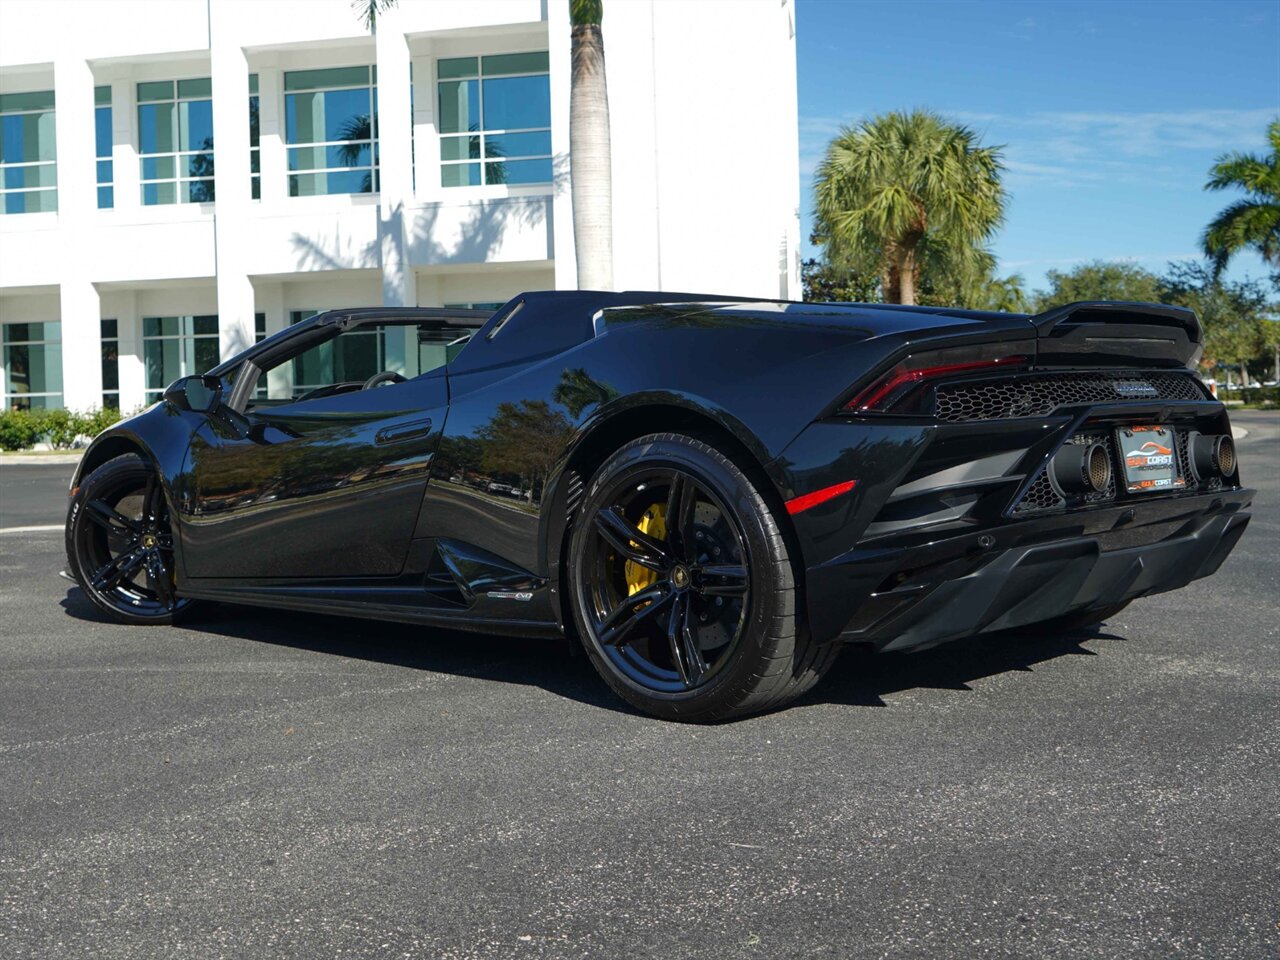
411	430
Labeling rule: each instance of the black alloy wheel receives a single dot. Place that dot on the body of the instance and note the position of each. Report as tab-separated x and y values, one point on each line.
682	588
120	543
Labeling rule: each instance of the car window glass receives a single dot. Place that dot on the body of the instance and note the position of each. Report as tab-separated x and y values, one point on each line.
346	362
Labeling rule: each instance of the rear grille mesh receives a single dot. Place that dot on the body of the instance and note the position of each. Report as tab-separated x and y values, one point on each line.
1039	395
1040	496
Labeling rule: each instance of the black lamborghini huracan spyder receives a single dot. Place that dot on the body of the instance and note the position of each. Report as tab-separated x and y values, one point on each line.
713	494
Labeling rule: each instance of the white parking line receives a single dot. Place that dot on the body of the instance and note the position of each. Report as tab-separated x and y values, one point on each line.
47	528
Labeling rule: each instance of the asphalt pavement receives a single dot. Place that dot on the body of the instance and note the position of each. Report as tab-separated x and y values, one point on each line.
262	784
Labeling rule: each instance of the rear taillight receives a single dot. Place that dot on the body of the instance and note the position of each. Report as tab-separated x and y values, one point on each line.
895	390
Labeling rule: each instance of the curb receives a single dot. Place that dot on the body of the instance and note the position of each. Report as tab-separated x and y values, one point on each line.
41	459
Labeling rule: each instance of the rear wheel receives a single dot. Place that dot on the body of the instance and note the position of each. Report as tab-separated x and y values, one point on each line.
120	543
682	587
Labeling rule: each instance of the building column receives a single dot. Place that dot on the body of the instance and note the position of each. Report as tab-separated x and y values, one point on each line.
559	46
77	206
125	175
426	139
232	228
272	160
270	298
133	369
395	175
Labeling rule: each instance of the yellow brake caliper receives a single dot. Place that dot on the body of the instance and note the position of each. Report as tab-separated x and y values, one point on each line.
652	524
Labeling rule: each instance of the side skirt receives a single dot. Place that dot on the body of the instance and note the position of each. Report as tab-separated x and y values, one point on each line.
445	583
285	598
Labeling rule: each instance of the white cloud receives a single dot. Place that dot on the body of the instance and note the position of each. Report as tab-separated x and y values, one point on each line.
1074	261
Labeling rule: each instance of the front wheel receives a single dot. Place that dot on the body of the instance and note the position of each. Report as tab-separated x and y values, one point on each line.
120	543
682	587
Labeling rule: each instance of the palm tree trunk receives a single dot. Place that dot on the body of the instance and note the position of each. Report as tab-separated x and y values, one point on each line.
889	287
589	152
907	277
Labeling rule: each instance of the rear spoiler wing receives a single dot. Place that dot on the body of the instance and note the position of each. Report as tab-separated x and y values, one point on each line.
1114	333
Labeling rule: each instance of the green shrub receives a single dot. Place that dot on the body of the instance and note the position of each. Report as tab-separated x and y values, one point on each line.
61	429
19	429
95	421
1265	397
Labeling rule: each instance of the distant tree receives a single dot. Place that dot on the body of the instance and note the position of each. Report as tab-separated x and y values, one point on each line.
1235	315
1099	280
898	185
1252	223
357	134
1007	294
1271	340
824	283
200	169
578	390
524	439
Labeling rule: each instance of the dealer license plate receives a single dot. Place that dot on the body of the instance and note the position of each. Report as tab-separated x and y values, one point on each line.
1150	458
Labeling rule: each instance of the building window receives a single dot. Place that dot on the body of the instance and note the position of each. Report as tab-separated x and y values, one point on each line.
102	138
28	155
175	141
33	365
495	119
331	128
110	364
174	347
255	172
356	355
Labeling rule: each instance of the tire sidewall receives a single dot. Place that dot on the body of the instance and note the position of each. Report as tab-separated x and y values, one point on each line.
736	492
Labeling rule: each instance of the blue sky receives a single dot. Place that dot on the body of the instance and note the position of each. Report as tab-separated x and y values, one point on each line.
1110	112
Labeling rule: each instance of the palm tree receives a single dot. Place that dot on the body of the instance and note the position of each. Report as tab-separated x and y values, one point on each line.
590	176
368	10
1252	223
900	183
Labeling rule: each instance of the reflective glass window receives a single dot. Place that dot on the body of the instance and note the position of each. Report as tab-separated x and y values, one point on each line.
494	118
175	141
174	347
32	355
28	154
331	131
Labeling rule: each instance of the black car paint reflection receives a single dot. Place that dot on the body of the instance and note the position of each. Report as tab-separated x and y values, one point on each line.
448	498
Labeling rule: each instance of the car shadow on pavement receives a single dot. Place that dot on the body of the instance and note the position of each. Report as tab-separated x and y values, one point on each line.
858	678
863	678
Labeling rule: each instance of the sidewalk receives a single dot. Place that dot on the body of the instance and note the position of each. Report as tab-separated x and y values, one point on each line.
39	459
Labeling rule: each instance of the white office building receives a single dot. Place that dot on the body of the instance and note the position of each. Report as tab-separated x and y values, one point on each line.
180	177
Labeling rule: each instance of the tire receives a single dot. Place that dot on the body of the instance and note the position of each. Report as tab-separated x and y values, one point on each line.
120	544
695	619
1081	618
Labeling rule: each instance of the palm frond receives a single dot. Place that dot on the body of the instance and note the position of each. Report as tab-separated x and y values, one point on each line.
1245	224
367	11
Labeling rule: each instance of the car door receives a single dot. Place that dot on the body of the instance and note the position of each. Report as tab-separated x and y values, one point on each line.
324	487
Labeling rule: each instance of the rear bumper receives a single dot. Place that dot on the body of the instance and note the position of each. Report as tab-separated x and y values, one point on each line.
1022	573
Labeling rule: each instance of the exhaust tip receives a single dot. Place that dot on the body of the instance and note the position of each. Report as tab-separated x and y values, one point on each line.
1213	455
1225	455
1098	466
1082	468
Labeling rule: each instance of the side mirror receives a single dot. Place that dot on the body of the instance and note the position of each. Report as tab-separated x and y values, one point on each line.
202	394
